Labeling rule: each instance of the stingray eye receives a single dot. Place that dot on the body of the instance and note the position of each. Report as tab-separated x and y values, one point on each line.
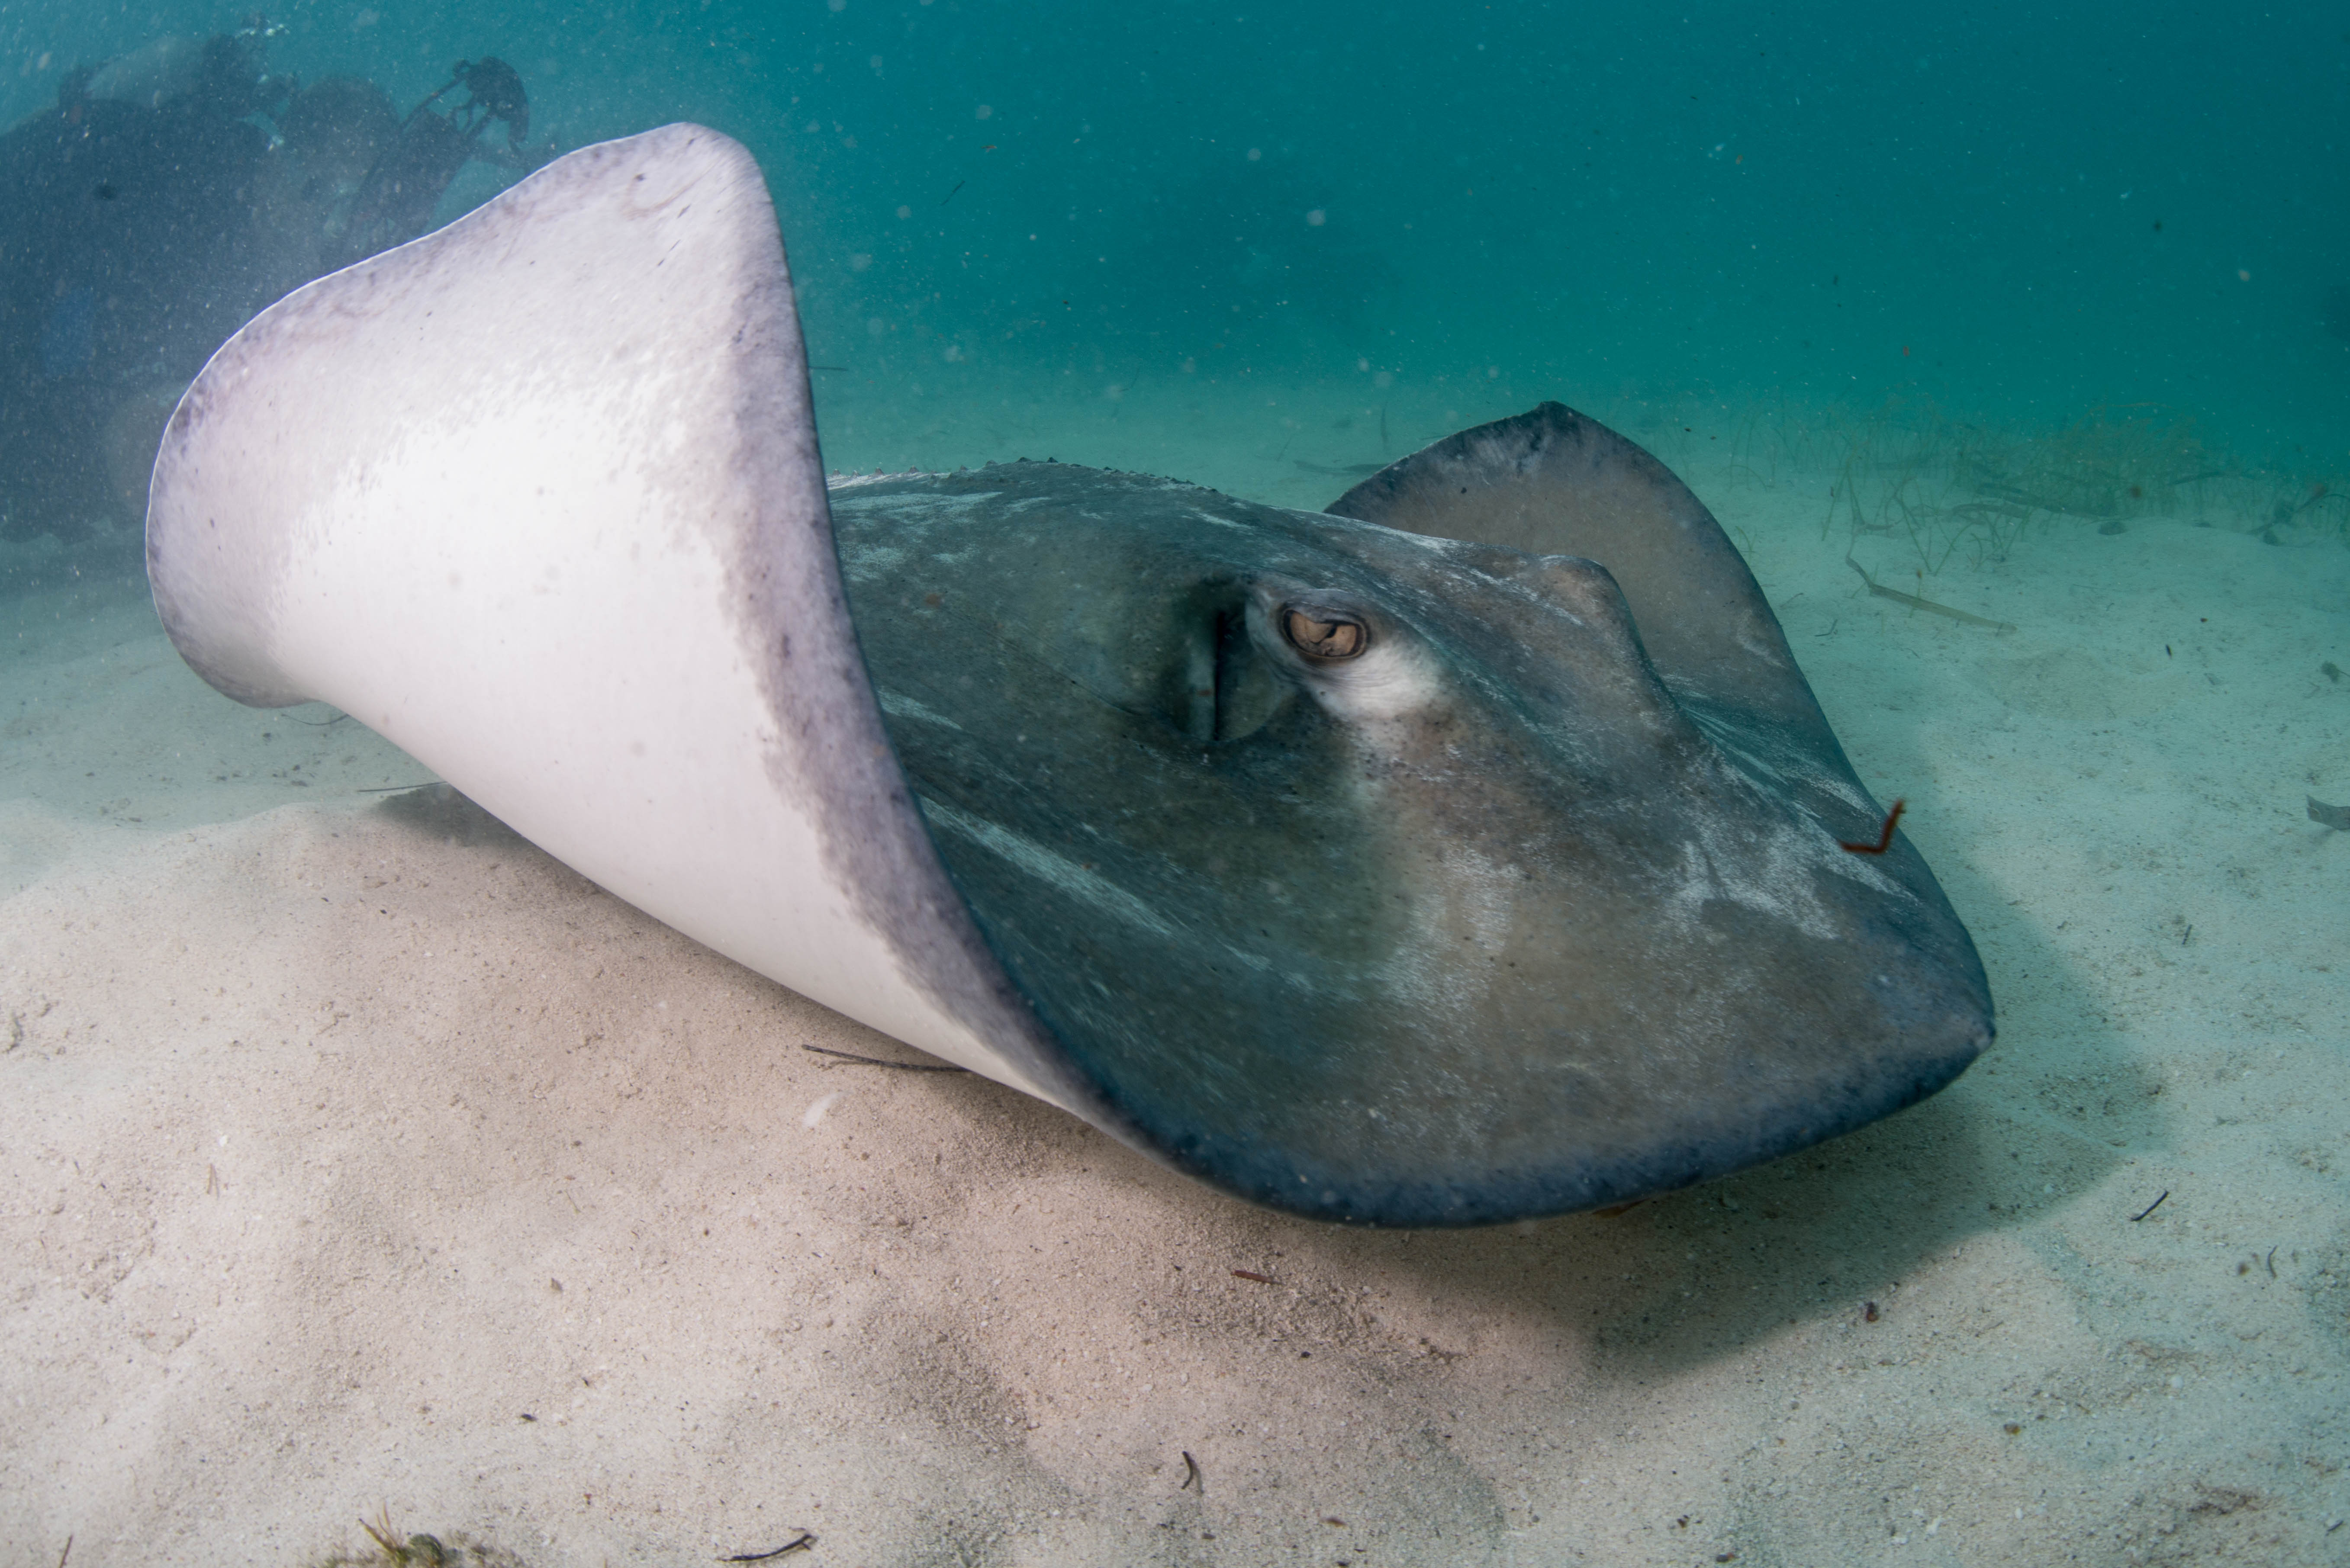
1322	636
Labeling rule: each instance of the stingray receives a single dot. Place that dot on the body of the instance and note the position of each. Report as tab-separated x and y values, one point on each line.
1470	851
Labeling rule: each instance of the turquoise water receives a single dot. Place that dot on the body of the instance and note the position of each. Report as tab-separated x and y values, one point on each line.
2021	216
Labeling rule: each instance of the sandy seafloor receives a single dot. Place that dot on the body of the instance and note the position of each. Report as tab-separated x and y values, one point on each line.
359	1157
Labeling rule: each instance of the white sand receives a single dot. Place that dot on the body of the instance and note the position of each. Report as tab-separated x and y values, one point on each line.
345	1134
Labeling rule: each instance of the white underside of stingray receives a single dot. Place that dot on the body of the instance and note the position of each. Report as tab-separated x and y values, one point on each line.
538	497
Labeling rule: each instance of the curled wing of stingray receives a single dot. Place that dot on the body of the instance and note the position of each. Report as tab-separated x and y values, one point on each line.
538	498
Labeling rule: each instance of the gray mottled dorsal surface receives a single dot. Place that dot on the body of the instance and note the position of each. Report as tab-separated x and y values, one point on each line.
1552	482
1377	875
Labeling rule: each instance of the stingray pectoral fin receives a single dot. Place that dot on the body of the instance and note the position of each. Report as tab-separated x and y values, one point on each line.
538	497
1553	481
